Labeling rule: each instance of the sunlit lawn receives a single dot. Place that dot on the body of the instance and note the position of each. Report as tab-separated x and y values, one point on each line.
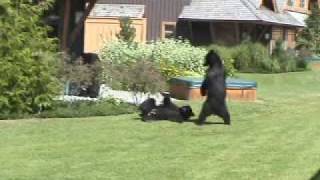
277	137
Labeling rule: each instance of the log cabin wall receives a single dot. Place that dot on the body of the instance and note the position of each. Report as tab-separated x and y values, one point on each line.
301	6
156	12
285	34
98	31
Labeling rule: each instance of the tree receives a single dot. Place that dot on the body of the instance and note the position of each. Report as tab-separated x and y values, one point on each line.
127	32
28	63
309	38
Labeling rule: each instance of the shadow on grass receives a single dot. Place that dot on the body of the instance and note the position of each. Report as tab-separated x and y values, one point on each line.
194	121
316	176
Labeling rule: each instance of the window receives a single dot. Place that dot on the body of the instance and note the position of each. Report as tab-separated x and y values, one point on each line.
168	29
302	3
268	4
290	3
312	4
285	34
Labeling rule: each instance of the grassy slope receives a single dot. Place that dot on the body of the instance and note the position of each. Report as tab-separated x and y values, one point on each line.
275	138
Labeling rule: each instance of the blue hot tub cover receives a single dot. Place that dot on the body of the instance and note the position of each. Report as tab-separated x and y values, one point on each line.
195	82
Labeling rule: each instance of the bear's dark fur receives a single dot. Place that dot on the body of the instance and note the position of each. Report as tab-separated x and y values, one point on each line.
214	86
166	111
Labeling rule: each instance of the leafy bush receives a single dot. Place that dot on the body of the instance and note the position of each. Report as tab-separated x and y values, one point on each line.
127	32
141	76
172	57
287	59
64	109
83	78
28	64
309	37
75	109
180	55
254	57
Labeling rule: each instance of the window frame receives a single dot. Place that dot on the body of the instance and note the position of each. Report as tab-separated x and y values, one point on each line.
163	28
291	3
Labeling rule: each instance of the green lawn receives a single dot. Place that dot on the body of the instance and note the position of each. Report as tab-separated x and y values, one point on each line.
278	137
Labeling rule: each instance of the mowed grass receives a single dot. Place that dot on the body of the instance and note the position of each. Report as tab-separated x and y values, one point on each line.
277	137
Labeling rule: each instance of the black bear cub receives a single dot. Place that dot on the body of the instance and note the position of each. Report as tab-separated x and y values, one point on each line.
166	111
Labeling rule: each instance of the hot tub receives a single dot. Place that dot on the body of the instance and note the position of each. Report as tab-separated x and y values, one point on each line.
188	88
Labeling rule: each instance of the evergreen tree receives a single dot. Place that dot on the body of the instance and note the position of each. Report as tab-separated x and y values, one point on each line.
309	38
28	61
127	32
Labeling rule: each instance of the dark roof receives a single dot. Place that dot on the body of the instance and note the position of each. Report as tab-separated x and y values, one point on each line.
117	10
239	10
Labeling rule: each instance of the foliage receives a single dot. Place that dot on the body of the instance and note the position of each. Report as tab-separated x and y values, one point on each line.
178	55
309	37
80	108
172	57
138	77
127	32
79	72
28	64
80	75
287	59
105	107
254	57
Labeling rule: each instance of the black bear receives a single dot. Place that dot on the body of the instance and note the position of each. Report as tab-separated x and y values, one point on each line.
214	86
166	111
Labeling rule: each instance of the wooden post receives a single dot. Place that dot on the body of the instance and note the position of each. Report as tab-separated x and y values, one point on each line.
237	32
212	32
191	31
261	35
66	22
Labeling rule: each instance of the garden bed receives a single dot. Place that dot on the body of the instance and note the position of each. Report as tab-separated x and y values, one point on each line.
188	88
314	62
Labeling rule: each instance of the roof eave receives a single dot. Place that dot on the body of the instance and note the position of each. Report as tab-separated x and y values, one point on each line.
242	21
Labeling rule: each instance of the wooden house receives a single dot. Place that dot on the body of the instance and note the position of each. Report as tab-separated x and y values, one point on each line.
231	21
85	25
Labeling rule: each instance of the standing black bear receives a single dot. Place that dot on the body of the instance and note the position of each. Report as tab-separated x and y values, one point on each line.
214	86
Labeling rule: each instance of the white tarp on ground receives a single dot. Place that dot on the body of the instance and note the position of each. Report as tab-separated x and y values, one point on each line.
106	92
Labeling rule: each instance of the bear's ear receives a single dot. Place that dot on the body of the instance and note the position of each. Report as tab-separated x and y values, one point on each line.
207	59
186	111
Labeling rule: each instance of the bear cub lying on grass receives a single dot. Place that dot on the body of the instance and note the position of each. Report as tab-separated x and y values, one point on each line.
166	111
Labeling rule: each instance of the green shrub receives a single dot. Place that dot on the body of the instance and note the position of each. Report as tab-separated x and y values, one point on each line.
28	64
179	54
275	66
80	76
127	32
309	37
172	57
288	61
75	109
142	76
302	64
252	57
